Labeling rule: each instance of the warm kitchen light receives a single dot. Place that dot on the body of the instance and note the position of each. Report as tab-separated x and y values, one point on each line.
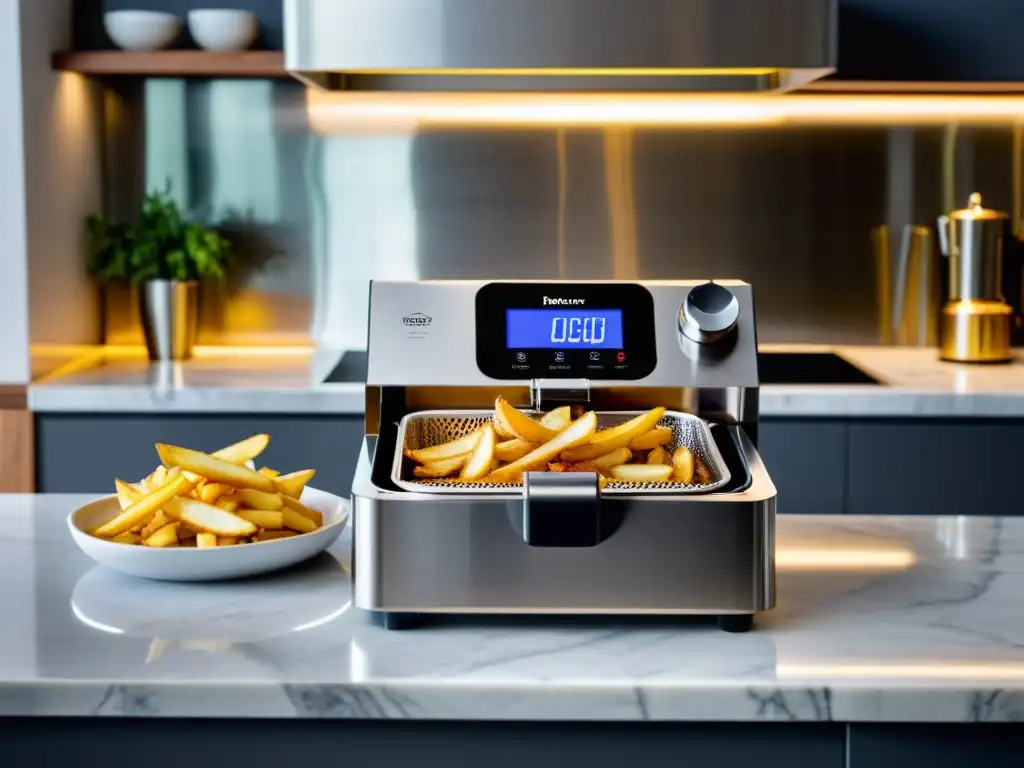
834	558
331	112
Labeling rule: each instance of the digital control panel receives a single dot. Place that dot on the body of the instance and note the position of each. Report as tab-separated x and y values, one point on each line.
565	330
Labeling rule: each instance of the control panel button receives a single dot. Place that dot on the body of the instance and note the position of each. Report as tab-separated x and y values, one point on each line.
521	357
559	357
595	355
709	313
620	357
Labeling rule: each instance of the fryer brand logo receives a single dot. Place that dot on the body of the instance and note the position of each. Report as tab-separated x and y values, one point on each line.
557	302
417	320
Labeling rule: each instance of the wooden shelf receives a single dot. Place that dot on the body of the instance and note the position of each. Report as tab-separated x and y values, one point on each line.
172	63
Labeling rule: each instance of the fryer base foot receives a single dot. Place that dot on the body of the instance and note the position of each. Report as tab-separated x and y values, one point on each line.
736	622
394	621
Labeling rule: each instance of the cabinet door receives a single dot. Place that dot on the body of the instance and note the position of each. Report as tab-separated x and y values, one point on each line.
935	467
936	746
270	743
807	462
84	453
930	40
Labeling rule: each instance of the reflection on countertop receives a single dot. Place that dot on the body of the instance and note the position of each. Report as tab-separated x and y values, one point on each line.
878	619
913	382
222	379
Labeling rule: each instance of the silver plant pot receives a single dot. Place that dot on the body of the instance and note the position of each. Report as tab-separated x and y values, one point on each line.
170	318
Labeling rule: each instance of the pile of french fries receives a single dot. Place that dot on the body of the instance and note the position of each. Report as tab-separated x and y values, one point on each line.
196	499
514	443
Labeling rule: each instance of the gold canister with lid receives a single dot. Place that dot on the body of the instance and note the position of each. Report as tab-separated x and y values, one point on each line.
976	320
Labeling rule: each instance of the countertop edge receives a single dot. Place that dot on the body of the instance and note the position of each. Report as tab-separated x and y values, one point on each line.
401	700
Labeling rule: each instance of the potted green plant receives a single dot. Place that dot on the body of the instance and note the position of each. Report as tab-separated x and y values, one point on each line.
168	258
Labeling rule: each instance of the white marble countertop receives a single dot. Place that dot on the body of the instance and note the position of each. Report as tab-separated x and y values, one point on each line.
878	619
290	380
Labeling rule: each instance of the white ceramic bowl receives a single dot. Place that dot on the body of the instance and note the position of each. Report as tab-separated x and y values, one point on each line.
191	564
141	30
218	29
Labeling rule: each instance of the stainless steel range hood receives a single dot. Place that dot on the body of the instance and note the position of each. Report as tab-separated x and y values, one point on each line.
560	45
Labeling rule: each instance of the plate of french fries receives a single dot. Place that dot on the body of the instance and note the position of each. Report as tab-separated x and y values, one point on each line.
656	450
209	516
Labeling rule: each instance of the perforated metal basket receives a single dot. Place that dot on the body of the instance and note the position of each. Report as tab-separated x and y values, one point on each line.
429	428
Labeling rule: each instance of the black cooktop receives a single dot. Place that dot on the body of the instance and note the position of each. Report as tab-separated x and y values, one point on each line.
809	368
351	369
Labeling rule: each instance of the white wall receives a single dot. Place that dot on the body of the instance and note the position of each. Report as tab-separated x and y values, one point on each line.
61	116
14	367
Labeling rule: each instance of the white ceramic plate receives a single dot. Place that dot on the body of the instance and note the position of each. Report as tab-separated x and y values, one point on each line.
191	564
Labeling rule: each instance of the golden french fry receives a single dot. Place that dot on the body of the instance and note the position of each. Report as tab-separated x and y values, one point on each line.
214	469
557	419
206	540
583	466
654	438
247	497
159	476
296	521
268	472
510	450
208	518
613	459
310	514
210	492
293	483
658	455
642	473
186	532
479	463
683	467
445	450
127	494
159	521
701	472
227	503
141	510
442	468
262	518
519	424
165	536
501	432
608	440
271	535
226	541
127	538
243	450
580	430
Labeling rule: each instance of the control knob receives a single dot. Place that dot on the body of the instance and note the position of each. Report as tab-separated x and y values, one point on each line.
709	313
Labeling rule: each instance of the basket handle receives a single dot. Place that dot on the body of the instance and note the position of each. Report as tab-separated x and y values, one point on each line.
561	509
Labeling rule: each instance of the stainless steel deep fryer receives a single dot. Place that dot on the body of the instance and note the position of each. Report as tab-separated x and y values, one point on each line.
439	353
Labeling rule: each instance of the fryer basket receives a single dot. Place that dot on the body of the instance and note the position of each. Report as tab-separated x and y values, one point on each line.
425	429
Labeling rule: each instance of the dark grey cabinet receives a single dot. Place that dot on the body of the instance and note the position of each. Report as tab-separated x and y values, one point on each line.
271	743
937	746
930	40
807	462
935	467
83	453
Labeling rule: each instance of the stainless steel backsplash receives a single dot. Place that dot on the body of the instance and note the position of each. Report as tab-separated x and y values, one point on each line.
790	210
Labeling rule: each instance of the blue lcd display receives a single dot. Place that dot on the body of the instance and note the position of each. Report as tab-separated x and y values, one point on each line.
563	328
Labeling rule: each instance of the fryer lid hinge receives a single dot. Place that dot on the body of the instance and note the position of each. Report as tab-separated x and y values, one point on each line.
545	393
561	509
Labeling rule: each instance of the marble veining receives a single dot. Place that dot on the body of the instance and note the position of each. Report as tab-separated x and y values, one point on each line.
916	382
878	619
